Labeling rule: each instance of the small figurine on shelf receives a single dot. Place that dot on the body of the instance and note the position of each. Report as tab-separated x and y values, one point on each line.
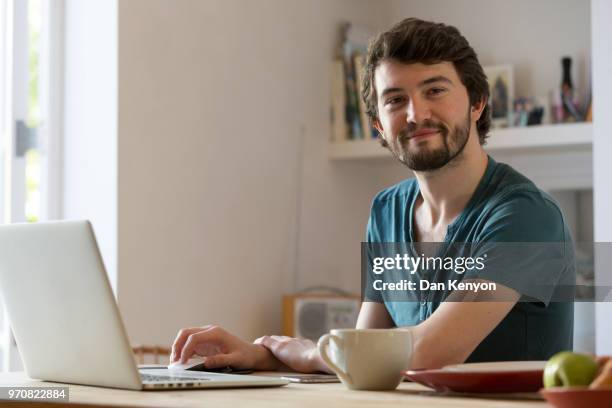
527	112
556	106
535	116
570	111
519	115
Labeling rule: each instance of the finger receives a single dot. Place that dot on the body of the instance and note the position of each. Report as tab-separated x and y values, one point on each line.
272	345
269	342
211	335
281	338
180	340
259	340
182	336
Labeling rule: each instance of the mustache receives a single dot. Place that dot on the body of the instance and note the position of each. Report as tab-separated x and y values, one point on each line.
412	128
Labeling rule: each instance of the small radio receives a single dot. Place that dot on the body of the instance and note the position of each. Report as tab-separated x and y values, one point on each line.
310	316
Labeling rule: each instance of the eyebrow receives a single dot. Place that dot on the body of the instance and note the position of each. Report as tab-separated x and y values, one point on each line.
439	78
428	81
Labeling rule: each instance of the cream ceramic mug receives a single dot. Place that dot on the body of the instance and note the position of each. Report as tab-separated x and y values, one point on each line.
368	359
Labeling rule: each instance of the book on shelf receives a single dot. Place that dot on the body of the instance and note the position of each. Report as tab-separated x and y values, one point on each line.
366	128
352	103
351	121
340	130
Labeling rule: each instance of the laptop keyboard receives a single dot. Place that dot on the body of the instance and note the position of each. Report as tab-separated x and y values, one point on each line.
154	378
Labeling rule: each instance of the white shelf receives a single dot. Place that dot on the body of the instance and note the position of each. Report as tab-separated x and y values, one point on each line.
550	138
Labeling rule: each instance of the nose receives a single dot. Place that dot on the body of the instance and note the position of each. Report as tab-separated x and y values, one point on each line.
417	110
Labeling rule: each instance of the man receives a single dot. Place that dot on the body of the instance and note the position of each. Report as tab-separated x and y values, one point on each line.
427	94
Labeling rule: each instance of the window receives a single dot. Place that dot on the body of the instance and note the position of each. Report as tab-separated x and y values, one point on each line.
30	102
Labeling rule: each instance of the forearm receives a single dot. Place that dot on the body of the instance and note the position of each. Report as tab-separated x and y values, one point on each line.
430	351
454	330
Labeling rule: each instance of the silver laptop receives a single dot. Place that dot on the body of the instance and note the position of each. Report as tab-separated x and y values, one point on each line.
65	319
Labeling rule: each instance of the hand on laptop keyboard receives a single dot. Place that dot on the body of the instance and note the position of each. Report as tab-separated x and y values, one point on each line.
218	349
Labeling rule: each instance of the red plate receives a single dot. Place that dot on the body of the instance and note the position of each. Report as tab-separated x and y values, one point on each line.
577	397
499	377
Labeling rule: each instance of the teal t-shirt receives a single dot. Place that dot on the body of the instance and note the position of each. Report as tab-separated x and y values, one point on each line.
506	207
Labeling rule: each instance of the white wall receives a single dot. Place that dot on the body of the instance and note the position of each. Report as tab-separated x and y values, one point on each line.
532	36
90	121
213	99
602	150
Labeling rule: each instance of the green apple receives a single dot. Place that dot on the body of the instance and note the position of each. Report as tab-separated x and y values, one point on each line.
567	368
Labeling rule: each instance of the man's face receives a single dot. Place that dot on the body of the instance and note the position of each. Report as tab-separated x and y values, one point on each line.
424	113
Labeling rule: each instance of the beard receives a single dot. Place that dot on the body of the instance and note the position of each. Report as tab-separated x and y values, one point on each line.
428	159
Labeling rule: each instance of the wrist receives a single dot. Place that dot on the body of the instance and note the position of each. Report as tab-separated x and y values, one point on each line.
264	359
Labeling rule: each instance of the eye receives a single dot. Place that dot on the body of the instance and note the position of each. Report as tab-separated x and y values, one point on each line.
394	100
435	91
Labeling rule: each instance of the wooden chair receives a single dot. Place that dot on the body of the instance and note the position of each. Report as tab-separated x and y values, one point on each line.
158	354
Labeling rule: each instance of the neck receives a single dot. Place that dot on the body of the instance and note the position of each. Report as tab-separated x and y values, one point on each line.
445	192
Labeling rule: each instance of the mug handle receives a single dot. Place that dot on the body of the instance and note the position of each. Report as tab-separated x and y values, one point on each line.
322	346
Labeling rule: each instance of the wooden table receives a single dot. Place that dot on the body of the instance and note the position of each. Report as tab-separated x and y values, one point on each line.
408	395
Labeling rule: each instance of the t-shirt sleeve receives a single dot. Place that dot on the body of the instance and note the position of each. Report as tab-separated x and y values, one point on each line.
368	249
526	246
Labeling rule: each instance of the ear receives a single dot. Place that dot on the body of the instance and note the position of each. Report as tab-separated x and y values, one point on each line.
378	126
477	109
381	132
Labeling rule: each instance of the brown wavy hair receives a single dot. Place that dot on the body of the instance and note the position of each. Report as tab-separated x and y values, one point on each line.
417	41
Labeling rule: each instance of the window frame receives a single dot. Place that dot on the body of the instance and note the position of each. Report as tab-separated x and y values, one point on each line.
14	71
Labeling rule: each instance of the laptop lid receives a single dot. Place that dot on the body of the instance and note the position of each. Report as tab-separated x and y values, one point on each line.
61	306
